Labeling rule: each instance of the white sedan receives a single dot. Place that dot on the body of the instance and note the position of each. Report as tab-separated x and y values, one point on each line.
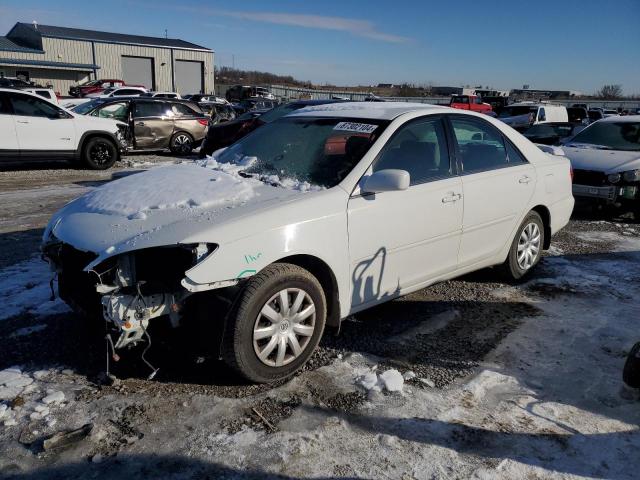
326	212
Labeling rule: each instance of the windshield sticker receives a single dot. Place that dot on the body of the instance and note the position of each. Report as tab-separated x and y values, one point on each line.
355	127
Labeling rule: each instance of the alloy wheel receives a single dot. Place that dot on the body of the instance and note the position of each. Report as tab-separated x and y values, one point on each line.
528	246
284	327
100	153
182	143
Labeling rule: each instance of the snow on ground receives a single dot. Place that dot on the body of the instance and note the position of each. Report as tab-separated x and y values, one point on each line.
547	402
24	288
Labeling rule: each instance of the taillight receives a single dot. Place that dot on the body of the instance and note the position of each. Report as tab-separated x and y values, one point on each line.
571	173
203	121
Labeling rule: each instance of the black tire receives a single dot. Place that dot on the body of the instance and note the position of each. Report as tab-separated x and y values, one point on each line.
631	372
99	153
513	268
181	143
240	350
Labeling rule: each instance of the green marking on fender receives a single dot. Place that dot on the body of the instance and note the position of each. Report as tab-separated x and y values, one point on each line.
245	272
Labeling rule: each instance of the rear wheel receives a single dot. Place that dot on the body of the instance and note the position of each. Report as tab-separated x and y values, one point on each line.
277	324
526	247
181	143
99	153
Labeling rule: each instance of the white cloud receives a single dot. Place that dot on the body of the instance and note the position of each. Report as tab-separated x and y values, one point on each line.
357	27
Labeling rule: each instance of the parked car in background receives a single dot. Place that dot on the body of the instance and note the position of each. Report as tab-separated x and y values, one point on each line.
595	115
219	112
610	113
47	93
606	162
32	128
314	217
469	102
225	134
154	123
578	115
94	86
119	92
523	115
238	93
162	95
249	104
552	133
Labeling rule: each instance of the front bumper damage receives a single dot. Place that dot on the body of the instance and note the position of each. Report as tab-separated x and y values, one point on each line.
608	193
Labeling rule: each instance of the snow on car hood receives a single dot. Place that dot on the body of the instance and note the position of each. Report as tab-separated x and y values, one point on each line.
162	206
607	161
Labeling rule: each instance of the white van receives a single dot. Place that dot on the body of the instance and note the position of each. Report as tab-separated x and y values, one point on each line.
525	114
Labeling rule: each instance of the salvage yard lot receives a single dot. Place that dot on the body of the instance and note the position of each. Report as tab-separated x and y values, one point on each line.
499	380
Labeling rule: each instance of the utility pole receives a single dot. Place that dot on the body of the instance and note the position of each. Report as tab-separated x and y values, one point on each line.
166	34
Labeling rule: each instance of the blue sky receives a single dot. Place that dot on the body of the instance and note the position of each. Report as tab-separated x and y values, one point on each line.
562	44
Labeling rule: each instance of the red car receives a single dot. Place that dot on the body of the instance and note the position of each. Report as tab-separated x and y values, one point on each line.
94	86
470	102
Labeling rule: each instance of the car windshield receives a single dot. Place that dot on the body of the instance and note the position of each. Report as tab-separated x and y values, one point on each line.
611	136
83	108
321	151
516	111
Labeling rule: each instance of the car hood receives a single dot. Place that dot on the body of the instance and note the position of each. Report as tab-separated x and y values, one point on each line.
164	206
607	161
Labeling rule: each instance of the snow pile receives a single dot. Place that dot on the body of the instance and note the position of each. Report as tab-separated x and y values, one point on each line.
13	382
162	188
389	380
240	163
24	288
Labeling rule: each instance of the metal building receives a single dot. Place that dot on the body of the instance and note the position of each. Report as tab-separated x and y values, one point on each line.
62	57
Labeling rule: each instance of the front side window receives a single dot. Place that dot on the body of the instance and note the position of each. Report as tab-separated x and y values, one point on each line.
117	111
420	148
321	151
33	107
481	147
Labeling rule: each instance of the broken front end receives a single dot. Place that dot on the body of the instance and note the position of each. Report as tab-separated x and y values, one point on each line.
127	290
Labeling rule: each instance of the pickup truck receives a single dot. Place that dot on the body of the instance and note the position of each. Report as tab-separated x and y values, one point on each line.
96	86
470	102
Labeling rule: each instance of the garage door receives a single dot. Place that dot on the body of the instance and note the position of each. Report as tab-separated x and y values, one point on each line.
189	77
138	71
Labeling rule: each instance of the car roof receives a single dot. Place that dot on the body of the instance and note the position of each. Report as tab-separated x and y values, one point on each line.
378	110
621	118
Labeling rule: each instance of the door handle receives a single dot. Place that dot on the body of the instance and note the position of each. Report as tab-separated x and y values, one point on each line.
451	197
140	124
22	121
525	179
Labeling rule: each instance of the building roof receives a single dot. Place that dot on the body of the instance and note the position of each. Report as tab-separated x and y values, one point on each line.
372	110
7	44
108	37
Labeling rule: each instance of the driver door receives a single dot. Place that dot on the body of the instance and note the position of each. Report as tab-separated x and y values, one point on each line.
399	241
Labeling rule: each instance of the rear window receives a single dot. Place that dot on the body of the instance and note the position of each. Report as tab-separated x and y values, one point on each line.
151	109
185	110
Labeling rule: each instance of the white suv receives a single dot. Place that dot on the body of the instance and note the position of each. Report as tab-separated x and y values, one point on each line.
33	128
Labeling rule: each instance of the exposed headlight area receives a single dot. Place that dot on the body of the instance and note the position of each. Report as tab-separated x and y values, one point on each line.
631	176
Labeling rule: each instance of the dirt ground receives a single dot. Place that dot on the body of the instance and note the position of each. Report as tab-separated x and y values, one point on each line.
506	381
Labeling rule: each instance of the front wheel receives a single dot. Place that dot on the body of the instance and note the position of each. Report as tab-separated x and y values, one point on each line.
277	324
181	143
99	153
526	248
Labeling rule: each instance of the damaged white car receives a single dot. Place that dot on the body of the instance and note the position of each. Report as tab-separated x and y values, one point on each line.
321	214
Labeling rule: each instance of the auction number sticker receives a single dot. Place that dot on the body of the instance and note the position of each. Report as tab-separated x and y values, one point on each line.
355	127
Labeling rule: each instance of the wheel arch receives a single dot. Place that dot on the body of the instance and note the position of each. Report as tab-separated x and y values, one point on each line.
545	214
323	272
88	135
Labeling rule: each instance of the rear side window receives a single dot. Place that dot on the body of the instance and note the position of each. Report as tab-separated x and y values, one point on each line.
151	109
513	154
481	147
180	109
29	106
420	148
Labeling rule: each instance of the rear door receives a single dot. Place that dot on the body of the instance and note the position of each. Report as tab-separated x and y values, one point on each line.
41	126
152	124
8	138
498	184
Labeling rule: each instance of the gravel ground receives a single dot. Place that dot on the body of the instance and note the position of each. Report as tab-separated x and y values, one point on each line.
441	334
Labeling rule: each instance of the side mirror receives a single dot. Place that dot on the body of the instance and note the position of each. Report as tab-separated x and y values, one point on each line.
388	180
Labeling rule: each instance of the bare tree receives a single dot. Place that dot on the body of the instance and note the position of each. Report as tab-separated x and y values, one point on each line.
610	92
